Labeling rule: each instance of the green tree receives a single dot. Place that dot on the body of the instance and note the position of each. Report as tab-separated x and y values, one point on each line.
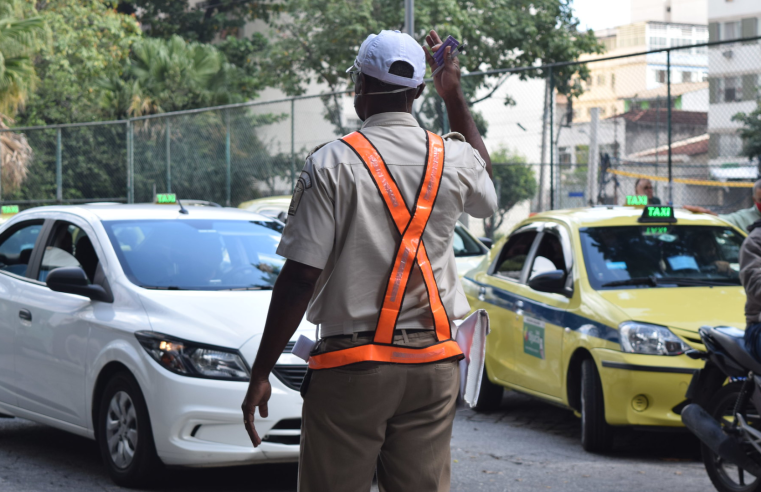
751	133
514	181
204	22
165	75
22	35
320	38
90	41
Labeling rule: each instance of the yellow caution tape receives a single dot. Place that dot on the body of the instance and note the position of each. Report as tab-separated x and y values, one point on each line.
696	182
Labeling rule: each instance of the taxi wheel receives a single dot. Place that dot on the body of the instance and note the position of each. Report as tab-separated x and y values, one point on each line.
489	394
124	433
596	434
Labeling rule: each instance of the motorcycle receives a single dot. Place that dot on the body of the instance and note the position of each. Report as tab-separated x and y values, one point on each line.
725	410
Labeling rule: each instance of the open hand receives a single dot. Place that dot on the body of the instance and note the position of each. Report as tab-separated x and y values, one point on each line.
258	395
698	210
447	81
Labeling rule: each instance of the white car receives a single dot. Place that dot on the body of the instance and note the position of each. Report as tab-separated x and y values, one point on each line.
136	325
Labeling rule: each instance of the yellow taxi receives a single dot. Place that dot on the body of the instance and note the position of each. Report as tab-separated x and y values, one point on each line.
8	211
593	309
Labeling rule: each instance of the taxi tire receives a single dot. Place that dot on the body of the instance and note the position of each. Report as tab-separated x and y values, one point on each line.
596	433
489	394
146	463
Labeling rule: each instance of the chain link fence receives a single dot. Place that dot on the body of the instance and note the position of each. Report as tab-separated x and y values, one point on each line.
561	135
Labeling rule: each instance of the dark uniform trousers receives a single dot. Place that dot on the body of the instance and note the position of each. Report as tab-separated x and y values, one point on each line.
393	417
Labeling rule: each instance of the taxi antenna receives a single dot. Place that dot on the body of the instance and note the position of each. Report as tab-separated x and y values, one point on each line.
183	210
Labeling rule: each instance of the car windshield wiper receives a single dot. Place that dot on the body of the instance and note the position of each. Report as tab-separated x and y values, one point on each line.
162	287
699	281
633	281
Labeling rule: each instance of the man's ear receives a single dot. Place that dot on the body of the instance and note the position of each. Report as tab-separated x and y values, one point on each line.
420	90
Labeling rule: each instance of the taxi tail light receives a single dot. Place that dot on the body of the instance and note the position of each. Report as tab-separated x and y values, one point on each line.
644	338
194	359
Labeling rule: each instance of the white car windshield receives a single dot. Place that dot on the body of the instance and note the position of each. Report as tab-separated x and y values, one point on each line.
198	254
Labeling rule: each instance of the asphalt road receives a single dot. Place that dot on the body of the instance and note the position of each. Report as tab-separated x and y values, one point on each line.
526	445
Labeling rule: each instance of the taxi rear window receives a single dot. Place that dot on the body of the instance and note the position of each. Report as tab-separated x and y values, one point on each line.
660	256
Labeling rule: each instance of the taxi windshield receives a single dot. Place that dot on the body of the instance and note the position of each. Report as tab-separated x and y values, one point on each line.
198	254
660	256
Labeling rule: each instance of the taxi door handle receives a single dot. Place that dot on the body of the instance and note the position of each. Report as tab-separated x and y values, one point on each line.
25	314
482	294
518	310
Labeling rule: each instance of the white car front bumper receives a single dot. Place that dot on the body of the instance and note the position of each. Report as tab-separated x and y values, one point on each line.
198	422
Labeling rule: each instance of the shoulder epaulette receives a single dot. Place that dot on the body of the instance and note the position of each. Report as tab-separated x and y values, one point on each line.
318	148
455	136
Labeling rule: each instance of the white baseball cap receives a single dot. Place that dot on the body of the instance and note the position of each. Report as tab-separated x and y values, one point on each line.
379	51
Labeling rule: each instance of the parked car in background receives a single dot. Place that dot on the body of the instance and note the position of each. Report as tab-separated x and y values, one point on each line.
136	325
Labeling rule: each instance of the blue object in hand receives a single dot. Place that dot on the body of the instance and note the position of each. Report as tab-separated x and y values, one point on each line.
439	55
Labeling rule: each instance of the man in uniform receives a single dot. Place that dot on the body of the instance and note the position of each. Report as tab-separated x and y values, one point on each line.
742	219
369	253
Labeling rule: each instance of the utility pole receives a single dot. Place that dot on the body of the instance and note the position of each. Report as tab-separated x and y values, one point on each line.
543	157
409	17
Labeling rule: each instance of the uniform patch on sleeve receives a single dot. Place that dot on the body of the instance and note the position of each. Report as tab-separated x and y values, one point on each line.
304	183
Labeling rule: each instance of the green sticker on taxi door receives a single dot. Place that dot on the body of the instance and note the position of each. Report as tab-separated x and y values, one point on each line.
533	337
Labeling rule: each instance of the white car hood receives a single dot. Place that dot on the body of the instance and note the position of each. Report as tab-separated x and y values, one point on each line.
224	318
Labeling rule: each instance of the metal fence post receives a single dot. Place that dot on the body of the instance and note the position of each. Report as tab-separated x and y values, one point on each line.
552	140
168	156
293	145
58	167
130	171
668	102
228	176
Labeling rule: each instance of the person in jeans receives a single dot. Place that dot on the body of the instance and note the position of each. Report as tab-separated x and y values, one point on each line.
750	276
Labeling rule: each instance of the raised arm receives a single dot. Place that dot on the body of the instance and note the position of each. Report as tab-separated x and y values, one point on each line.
447	83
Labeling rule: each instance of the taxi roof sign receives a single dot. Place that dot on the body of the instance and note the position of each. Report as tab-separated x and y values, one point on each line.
9	209
636	200
166	198
657	213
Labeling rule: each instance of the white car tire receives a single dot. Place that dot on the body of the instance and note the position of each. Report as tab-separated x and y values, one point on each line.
125	437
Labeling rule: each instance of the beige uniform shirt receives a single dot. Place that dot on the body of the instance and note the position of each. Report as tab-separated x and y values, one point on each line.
338	222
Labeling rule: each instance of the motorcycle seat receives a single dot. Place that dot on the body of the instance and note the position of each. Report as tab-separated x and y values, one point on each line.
735	347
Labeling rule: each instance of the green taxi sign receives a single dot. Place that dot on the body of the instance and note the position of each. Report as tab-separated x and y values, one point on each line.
166	198
9	209
636	200
658	213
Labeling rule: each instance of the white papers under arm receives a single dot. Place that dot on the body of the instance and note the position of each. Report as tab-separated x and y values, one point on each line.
303	347
471	337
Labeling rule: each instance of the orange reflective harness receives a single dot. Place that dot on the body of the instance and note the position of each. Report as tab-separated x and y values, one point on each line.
411	250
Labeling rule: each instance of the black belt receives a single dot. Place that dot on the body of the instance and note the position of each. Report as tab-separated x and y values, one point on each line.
370	334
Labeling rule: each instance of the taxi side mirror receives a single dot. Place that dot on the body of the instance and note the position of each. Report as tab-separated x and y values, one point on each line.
552	282
73	280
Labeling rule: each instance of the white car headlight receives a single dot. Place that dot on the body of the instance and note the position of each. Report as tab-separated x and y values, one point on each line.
194	359
644	338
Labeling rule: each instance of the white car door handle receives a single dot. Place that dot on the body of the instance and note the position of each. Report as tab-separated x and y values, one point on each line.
518	310
482	294
25	314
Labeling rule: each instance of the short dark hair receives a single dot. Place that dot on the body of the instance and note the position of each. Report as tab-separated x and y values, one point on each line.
399	68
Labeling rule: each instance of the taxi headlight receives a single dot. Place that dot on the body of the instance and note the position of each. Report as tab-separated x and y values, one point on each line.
194	359
644	338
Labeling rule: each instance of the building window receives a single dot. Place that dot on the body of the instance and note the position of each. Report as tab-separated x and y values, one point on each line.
729	89
731	31
657	42
613	81
687	77
564	155
660	76
601	79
